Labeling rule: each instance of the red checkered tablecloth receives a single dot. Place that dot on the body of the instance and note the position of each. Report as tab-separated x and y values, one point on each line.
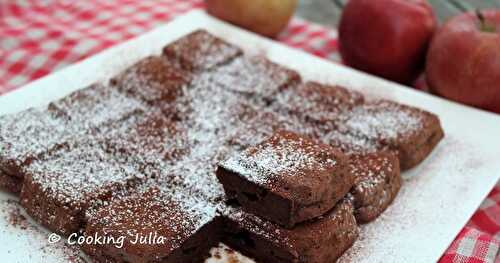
40	37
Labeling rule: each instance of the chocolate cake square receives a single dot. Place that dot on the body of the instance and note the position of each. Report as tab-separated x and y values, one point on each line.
317	102
94	106
377	180
286	179
256	77
321	240
154	226
151	140
412	132
154	80
59	188
200	50
26	135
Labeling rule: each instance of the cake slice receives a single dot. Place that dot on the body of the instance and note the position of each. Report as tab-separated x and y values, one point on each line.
169	226
95	106
376	171
286	179
59	188
151	140
255	77
412	132
154	80
321	240
346	118
26	135
377	181
200	50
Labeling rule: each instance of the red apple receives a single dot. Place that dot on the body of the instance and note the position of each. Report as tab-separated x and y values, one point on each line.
463	63
388	38
265	17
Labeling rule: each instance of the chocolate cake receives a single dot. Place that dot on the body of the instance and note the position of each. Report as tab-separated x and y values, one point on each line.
256	77
59	188
350	143
140	153
37	131
412	132
200	51
155	227
322	240
376	183
154	80
286	179
152	141
318	102
257	124
380	124
26	135
180	205
94	107
208	108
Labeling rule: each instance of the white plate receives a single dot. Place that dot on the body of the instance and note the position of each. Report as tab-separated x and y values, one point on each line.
436	200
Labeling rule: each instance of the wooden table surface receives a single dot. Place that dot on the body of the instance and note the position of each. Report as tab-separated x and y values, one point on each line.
327	12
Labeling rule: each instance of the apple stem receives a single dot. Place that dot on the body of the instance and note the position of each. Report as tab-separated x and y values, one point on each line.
482	21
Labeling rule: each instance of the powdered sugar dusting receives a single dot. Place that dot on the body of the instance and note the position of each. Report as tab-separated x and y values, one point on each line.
382	120
151	140
78	175
282	155
153	79
95	106
373	173
317	101
28	134
37	131
350	143
174	215
254	76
